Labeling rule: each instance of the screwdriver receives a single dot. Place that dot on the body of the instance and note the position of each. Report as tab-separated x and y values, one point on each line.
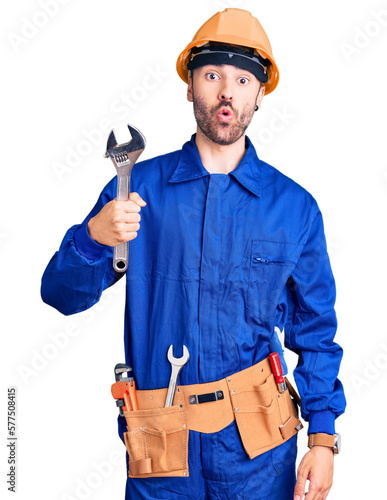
277	371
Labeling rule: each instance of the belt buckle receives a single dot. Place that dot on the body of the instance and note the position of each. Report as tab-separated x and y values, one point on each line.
195	399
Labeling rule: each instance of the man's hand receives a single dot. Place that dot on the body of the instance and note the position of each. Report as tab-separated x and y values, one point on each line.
117	222
317	466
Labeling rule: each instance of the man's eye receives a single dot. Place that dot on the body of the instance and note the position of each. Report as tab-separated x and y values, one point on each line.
212	76
243	80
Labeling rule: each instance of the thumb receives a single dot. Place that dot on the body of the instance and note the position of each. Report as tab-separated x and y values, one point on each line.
136	198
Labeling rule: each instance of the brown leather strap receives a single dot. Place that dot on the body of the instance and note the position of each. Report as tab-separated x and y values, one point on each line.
320	439
289	427
293	392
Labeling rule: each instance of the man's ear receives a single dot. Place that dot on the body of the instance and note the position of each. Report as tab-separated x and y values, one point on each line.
189	89
260	95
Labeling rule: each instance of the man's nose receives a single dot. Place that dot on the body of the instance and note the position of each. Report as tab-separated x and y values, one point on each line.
225	92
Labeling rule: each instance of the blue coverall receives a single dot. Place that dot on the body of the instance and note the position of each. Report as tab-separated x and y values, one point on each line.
219	261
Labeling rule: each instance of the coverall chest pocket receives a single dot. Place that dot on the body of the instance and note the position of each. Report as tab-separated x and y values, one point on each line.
271	264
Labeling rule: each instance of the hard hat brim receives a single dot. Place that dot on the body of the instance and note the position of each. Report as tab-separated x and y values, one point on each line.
182	60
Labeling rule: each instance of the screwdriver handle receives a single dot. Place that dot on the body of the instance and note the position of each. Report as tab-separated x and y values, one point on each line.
277	371
276	367
131	390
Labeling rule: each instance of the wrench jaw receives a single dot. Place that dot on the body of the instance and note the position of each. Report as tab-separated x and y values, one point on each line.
178	361
138	141
111	143
127	153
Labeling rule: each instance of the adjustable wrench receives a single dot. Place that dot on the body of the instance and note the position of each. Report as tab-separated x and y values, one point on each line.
177	364
124	156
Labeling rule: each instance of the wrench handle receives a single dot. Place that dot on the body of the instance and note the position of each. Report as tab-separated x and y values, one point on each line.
170	393
121	251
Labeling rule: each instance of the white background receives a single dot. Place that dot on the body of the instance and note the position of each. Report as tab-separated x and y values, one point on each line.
63	80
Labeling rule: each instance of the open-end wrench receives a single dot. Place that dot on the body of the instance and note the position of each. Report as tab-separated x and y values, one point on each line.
124	156
177	364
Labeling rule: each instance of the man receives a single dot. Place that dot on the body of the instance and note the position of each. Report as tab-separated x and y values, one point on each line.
228	249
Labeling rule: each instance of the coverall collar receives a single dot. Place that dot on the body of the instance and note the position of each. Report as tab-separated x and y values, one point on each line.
247	173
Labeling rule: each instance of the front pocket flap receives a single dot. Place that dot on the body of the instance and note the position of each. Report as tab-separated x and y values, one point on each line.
255	395
271	264
258	408
167	419
274	251
267	385
159	433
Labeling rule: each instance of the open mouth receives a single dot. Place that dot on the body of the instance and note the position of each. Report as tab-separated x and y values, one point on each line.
224	114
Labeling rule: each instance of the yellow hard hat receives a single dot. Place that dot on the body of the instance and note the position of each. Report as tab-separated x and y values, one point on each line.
233	27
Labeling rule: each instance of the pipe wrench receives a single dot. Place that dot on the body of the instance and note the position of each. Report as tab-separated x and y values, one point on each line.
124	389
124	156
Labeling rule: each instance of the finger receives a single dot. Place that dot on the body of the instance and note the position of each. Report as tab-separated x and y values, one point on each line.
132	228
299	489
325	495
128	237
136	198
315	494
125	236
131	217
310	495
127	206
131	236
318	489
125	228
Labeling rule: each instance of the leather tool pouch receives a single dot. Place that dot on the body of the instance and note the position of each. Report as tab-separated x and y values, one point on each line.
157	442
265	417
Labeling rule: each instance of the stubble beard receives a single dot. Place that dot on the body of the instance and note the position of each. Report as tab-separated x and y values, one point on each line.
221	133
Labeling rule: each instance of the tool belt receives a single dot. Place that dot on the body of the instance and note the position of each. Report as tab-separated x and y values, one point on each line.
157	437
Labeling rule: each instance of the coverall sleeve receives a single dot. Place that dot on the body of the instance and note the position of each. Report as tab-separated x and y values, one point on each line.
310	330
81	269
